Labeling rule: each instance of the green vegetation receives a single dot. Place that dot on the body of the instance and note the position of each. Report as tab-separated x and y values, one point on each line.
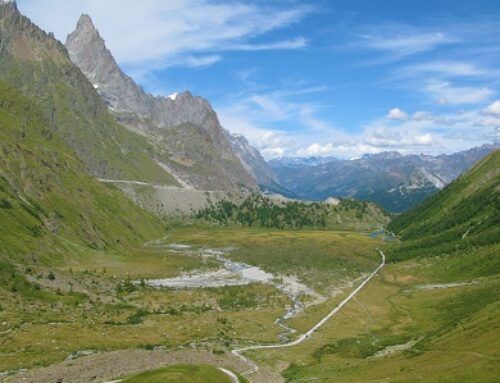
182	374
73	265
93	293
432	315
47	194
440	335
359	347
461	221
322	259
39	66
261	211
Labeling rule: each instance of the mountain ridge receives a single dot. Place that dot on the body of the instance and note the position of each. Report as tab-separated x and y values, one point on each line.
202	157
396	182
36	63
253	161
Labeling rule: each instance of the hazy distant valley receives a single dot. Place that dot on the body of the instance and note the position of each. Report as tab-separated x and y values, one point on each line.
393	181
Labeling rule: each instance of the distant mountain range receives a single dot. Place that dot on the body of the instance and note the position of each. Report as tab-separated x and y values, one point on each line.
120	132
394	181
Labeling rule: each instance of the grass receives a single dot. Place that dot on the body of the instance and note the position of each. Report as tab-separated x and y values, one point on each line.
322	259
90	303
463	218
52	210
445	334
454	329
181	374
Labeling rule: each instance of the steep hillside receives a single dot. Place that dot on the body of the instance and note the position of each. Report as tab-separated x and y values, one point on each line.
464	217
184	126
47	198
394	181
39	65
253	161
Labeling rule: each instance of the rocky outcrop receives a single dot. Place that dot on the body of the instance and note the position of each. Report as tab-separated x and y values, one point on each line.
155	117
252	160
169	201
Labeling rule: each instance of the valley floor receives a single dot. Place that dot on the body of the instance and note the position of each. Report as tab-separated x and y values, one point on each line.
98	320
402	330
102	302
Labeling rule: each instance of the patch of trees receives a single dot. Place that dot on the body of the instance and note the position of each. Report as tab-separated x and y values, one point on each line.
260	211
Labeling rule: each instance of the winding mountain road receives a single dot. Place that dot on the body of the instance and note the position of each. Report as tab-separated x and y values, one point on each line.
254	367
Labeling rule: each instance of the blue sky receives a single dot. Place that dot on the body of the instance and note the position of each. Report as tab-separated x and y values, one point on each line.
337	78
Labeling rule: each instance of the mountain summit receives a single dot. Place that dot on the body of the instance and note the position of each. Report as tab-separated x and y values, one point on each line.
36	63
185	126
87	49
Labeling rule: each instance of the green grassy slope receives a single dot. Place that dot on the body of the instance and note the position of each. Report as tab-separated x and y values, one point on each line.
463	218
37	64
397	331
46	196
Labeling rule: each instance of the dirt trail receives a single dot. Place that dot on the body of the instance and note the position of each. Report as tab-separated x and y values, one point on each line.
107	367
254	367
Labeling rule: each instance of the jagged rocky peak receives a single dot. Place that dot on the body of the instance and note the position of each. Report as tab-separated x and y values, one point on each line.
383	155
88	51
86	39
22	39
8	8
86	28
156	116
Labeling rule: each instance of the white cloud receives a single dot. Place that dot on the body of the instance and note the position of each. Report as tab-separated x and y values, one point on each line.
446	69
401	41
255	116
445	93
397	114
270	106
493	108
316	150
273	152
423	139
151	32
200	61
295	43
308	135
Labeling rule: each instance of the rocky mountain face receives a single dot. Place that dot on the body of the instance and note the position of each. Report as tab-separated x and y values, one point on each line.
186	127
35	63
253	161
394	181
51	138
